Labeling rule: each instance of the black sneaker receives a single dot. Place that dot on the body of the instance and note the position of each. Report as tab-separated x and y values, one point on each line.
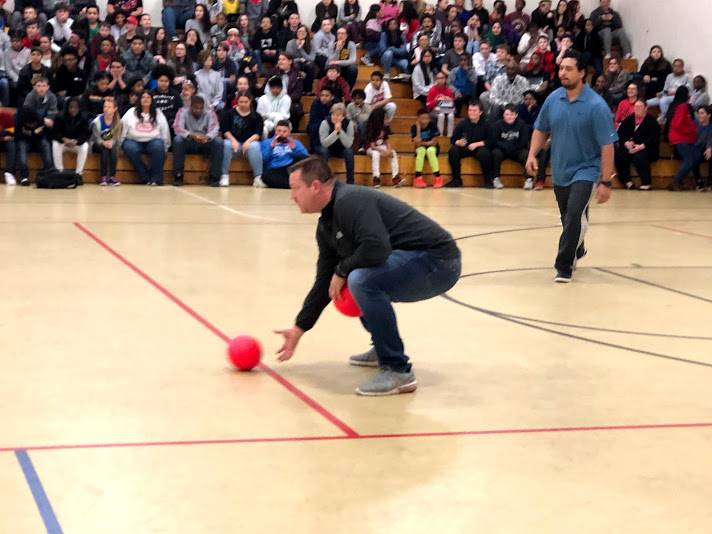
25	182
488	185
376	181
454	183
178	180
562	277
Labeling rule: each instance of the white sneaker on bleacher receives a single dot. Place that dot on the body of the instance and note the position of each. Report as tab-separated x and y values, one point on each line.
258	182
10	179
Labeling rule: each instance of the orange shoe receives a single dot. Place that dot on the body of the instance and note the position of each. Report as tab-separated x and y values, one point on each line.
438	183
419	182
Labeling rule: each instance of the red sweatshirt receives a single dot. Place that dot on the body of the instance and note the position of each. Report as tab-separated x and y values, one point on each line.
683	130
435	92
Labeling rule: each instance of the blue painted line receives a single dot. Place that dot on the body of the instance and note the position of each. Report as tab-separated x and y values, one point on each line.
38	492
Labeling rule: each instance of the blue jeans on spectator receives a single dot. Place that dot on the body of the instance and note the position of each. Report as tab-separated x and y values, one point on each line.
254	156
691	157
154	148
36	144
397	56
5	84
337	150
175	18
374	49
406	276
213	149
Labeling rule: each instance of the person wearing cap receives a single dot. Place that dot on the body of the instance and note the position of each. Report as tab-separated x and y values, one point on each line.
124	42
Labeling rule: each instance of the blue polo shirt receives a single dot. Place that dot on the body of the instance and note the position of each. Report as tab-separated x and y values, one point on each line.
579	130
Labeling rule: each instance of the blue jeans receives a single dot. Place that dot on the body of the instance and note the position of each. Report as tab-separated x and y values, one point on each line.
339	151
406	276
35	144
373	49
173	18
399	56
691	157
154	148
254	156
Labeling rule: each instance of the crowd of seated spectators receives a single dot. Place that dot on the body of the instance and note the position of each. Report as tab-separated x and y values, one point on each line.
226	79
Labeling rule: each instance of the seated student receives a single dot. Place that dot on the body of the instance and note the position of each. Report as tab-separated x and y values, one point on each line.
677	78
336	136
279	152
105	135
704	146
70	134
425	138
609	25
357	112
638	144
301	48
441	103
165	96
470	140
508	88
43	101
88	24
69	80
138	61
210	84
322	43
32	34
130	98
423	77
106	54
295	89
34	69
336	83
509	140
274	105
200	22
377	147
227	69
699	97
241	127
59	27
145	130
16	57
92	101
654	72
218	31
378	95
31	135
24	13
197	132
264	45
95	44
626	106
320	110
463	82
452	57
395	49
343	55
617	80
528	110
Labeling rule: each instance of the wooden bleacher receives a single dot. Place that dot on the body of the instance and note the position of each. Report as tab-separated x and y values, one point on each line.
196	167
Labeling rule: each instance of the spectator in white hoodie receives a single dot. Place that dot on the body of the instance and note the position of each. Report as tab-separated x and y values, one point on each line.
145	131
273	106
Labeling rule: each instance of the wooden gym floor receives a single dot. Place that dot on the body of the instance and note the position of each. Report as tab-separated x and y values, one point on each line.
541	408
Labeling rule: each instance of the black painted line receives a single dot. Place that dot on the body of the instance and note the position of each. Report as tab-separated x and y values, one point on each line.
653	284
573	336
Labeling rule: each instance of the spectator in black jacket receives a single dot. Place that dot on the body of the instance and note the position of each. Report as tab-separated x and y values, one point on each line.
326	9
165	96
93	98
31	136
320	109
33	70
264	45
70	80
71	134
638	144
509	140
589	43
470	140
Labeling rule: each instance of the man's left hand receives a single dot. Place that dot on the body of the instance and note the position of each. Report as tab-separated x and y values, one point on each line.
603	193
337	284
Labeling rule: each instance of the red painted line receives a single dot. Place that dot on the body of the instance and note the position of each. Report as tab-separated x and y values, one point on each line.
299	439
314	405
686	232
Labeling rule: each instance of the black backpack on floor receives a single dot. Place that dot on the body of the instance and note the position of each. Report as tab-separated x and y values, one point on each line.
54	179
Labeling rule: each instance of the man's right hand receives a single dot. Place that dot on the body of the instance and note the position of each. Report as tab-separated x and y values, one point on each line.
532	166
291	340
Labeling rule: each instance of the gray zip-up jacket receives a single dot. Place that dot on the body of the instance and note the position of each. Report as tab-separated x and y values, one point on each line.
328	135
323	43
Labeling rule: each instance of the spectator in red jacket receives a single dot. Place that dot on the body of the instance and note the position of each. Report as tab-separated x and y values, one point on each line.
681	131
441	103
338	85
626	106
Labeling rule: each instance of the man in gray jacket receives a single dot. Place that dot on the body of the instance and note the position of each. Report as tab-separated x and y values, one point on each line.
322	45
336	134
197	132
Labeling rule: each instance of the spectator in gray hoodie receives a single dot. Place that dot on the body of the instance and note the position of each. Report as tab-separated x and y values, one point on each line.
16	57
322	45
139	63
197	132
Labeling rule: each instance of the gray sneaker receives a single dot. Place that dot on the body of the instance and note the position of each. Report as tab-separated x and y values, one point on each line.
365	359
388	382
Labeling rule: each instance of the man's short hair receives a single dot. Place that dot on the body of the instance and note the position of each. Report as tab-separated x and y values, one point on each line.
333	67
377	74
330	90
313	168
460	35
284	122
575	55
358	93
61	6
275	81
36	49
40	79
502	47
197	99
69	51
137	38
510	107
475	103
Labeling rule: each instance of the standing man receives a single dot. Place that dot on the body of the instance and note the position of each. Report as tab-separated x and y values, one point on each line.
582	138
388	252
